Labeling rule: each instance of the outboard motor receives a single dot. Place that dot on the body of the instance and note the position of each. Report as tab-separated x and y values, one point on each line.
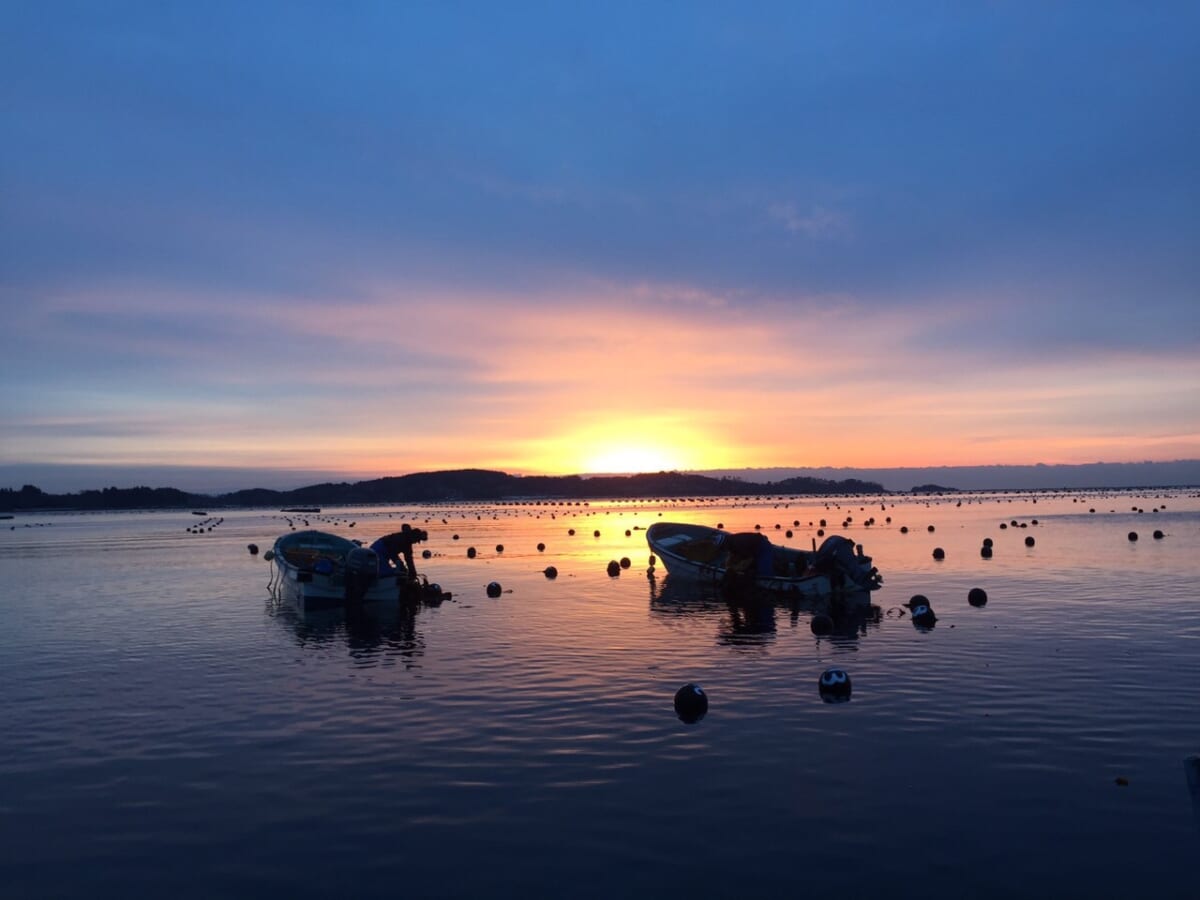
362	571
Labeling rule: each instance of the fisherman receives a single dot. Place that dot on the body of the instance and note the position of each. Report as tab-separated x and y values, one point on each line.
749	553
391	547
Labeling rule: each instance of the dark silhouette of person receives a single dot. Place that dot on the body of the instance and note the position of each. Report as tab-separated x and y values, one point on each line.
391	547
749	553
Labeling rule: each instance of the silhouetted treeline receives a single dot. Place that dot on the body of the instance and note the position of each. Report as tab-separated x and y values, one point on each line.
431	487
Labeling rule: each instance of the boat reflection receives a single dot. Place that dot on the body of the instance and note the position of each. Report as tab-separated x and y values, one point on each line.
748	618
372	634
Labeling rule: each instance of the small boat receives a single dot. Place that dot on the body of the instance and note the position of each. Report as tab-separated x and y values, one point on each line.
318	570
835	569
199	512
301	509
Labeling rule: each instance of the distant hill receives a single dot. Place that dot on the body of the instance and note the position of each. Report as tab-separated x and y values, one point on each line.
1175	473
432	487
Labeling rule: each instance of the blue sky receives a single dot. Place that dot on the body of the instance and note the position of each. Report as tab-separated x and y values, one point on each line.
379	238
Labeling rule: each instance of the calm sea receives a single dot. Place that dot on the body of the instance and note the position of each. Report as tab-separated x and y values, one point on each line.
171	731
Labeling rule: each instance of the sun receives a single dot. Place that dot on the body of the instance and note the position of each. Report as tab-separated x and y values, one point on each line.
631	458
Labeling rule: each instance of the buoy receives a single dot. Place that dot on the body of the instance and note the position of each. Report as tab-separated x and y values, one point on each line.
985	551
269	555
939	553
541	548
596	533
977	596
691	703
470	553
1158	536
550	572
628	532
1029	542
493	589
834	685
987	542
904	529
821	624
614	568
1133	535
253	548
426	554
923	616
625	563
931	529
499	548
571	531
653	560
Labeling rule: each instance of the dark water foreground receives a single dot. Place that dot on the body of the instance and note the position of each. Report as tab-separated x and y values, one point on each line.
171	731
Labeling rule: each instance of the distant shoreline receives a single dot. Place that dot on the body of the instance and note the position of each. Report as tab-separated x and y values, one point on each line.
480	485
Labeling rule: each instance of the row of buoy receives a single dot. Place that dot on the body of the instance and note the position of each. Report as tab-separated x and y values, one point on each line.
691	702
1158	535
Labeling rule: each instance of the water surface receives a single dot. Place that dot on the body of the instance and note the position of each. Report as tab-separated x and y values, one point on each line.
171	729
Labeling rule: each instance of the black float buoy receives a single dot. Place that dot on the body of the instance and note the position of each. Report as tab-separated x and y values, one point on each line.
986	551
691	703
930	529
939	553
550	572
977	596
596	533
1029	542
470	553
628	533
571	531
821	624
834	685
1133	535
653	560
625	563
499	548
541	548
426	554
987	542
904	529
1158	536
923	616
493	589
614	568
253	548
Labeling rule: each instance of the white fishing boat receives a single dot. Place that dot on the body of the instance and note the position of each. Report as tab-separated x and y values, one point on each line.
318	570
835	569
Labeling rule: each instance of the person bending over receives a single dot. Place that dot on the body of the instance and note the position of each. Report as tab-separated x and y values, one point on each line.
392	547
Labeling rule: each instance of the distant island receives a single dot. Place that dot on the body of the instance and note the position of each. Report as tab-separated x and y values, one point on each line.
437	487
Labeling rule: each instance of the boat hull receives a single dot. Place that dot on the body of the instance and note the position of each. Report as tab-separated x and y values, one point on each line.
697	552
317	570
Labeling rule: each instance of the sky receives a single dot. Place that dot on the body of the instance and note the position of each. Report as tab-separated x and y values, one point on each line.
380	238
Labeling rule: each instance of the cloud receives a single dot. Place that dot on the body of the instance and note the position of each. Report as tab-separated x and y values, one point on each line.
818	222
